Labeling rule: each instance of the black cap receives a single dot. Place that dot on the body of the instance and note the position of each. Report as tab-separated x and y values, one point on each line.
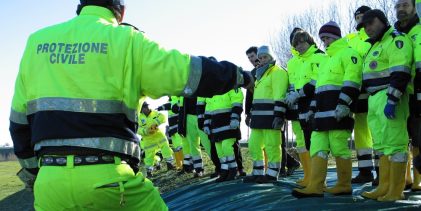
361	10
371	14
291	36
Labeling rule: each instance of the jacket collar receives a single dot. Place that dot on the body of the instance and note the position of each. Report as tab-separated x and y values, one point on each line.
101	12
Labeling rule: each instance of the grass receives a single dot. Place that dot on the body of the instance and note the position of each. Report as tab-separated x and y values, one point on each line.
9	182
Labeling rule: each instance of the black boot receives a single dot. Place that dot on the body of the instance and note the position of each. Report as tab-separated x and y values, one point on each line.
222	175
170	166
199	172
282	172
250	179
364	176
292	166
266	179
214	174
241	173
232	173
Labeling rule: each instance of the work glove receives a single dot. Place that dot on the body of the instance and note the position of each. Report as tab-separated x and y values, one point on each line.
248	120
175	109
206	130
308	116
27	178
277	123
389	111
341	111
160	108
292	98
234	124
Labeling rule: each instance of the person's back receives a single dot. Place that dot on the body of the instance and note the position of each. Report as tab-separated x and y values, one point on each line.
76	100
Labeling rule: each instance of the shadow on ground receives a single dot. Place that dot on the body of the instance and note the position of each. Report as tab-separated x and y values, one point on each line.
22	201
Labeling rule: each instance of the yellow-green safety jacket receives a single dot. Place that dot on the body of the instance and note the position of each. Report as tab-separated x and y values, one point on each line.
413	29
80	82
293	74
146	122
358	41
338	82
388	65
172	116
220	110
269	96
309	64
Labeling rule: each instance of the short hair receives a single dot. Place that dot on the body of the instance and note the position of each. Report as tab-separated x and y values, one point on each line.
252	49
302	36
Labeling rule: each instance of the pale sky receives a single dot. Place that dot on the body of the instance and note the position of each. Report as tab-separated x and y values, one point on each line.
223	29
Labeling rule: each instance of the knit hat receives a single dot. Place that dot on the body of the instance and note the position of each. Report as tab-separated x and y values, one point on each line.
330	29
264	49
361	10
291	36
376	13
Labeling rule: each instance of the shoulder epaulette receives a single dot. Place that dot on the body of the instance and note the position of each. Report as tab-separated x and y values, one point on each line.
396	33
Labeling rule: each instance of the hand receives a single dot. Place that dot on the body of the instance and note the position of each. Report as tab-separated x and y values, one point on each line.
175	109
206	130
389	111
234	124
248	120
277	123
160	108
341	111
27	178
292	98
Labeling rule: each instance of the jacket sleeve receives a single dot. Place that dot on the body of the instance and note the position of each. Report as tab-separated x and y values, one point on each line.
400	61
183	74
279	89
352	79
236	97
249	102
159	118
164	107
19	126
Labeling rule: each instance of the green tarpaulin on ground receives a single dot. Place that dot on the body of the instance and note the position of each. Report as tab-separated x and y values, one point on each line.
235	195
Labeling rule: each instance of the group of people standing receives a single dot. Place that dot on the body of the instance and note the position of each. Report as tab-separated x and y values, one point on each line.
367	81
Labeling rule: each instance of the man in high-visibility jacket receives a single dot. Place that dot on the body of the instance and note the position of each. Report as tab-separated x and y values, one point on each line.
75	105
417	82
408	23
309	58
176	139
386	76
222	125
292	114
268	117
362	136
338	85
154	140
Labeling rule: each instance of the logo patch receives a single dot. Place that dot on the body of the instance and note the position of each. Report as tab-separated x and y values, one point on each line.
399	44
354	59
373	65
143	121
375	53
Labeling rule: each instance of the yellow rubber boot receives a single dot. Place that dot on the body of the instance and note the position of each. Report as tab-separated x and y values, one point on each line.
317	179
383	187
344	171
396	183
306	163
416	186
179	157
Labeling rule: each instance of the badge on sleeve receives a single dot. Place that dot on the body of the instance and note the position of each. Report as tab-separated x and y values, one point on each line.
399	44
354	59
